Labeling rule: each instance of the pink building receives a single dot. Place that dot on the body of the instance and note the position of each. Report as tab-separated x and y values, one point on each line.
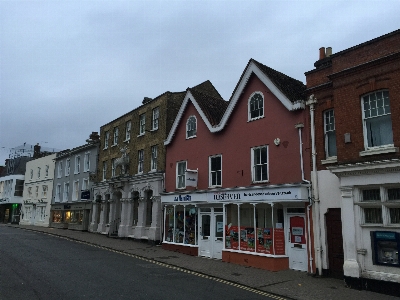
237	173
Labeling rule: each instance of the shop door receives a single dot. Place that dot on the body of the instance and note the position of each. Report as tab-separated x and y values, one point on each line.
335	242
211	235
297	246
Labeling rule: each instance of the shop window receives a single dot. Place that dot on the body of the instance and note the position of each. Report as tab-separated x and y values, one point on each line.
377	120
386	248
330	133
57	216
181	223
74	216
256	106
191	127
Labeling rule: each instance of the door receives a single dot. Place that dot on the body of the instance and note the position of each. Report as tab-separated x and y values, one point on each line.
211	229
297	246
334	239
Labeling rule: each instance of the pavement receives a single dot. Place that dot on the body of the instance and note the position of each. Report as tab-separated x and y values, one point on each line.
288	284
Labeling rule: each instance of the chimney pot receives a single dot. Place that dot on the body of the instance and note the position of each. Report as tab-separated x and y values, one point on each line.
328	51
321	52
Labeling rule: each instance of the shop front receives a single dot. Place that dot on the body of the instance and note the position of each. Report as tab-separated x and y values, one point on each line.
264	227
71	216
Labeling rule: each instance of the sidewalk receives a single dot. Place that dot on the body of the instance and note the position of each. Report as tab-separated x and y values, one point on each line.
289	283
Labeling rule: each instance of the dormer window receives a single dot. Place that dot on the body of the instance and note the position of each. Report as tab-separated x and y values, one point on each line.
256	106
191	127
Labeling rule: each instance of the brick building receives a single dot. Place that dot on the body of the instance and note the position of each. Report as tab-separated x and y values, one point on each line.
354	96
130	174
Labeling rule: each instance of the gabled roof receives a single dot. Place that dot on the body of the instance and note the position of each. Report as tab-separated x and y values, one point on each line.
215	112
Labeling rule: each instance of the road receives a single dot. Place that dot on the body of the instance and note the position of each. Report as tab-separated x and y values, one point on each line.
39	266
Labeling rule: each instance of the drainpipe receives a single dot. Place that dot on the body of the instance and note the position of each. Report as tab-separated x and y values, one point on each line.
310	257
312	101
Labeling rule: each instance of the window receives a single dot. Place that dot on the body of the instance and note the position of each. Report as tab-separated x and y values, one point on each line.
128	130
330	133
38	172
156	114
47	170
44	191
140	161
256	106
29	192
106	138
113	167
36	191
191	127
76	191
19	188
377	120
260	164
87	162
31	174
85	184
115	136
67	166
77	164
58	192
380	205
104	170
178	229
66	192
215	167
142	124
154	158
180	175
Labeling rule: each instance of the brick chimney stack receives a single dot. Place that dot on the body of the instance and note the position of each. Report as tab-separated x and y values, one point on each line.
36	151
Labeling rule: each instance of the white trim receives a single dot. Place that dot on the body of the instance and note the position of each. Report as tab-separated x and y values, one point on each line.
251	68
209	171
249	119
252	164
380	150
176	175
187	121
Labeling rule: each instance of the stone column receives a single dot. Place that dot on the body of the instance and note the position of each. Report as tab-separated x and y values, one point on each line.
123	227
103	217
141	226
156	221
93	225
351	266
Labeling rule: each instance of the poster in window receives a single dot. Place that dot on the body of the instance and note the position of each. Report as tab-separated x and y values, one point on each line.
247	241
279	241
264	240
231	237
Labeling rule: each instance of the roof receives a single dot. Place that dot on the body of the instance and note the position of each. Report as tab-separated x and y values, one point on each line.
215	111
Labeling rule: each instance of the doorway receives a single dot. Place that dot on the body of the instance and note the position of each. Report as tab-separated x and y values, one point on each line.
334	239
297	243
211	230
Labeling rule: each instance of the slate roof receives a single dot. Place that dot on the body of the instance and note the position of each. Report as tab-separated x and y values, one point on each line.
292	88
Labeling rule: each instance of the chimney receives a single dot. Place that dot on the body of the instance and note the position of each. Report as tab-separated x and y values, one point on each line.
328	51
94	136
146	99
36	151
322	53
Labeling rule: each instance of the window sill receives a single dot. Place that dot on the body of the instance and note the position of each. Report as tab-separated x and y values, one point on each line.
154	129
142	134
372	225
105	148
255	119
329	160
382	150
127	140
191	137
113	145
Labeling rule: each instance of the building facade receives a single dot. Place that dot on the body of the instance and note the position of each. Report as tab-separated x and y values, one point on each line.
72	195
354	97
237	174
38	189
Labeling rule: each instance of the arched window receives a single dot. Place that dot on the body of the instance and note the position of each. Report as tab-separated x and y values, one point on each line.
191	127
256	106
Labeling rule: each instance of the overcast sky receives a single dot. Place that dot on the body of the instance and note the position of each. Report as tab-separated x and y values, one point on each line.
69	67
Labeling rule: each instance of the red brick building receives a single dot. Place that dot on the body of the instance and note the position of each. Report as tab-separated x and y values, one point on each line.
356	97
237	174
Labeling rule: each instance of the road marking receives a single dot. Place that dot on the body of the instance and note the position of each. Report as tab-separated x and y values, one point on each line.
224	281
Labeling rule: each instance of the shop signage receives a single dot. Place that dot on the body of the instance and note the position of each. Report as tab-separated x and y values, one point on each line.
191	177
245	195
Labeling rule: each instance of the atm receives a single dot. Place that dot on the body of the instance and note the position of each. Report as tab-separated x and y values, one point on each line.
385	248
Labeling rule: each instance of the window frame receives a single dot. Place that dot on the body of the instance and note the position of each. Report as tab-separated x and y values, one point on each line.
190	132
104	170
249	107
113	167
66	192
58	193
154	154
142	124
128	127
155	118
77	164
106	139
326	132
253	165
75	191
140	161
67	166
183	176
211	171
86	162
115	136
364	120
60	167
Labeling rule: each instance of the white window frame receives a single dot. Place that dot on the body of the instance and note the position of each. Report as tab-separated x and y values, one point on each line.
115	136
365	120
45	188
330	114
36	191
253	165
106	139
142	124
250	110
128	126
75	195
47	170
30	192
86	163
191	127
38	173
67	166
66	192
85	184
104	170
155	118
140	161
211	172
181	177
77	164
154	153
58	193
113	167
31	173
